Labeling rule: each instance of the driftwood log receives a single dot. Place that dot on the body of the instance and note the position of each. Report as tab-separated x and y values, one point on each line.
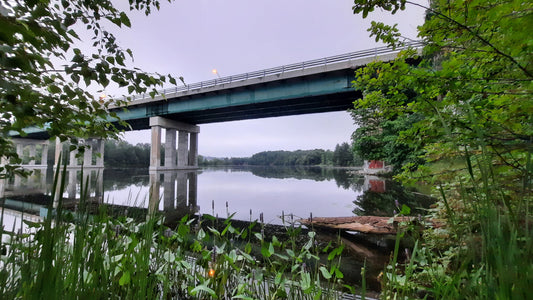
365	224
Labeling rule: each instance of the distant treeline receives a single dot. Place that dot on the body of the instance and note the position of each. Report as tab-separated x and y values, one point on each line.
123	154
117	154
341	156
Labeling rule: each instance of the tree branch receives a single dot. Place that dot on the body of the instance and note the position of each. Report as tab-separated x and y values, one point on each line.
498	51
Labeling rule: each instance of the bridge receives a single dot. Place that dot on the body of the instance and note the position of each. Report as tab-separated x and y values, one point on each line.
321	85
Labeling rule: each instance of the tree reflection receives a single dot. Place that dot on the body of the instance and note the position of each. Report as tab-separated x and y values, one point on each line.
377	202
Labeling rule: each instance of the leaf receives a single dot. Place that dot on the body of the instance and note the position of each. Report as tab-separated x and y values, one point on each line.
116	258
54	89
169	256
242	297
267	250
172	80
201	234
125	278
406	210
338	273
124	19
31	224
325	272
203	288
75	78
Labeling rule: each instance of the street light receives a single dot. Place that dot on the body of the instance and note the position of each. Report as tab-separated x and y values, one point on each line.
215	72
102	98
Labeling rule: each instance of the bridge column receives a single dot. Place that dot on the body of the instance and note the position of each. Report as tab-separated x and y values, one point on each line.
58	150
73	162
20	150
88	154
155	148
32	155
193	191
92	146
169	191
183	149
44	155
193	149
170	148
187	159
99	148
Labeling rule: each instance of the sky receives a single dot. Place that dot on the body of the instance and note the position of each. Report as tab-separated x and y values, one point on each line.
190	38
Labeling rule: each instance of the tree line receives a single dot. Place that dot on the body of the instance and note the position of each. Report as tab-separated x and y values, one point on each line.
124	154
342	156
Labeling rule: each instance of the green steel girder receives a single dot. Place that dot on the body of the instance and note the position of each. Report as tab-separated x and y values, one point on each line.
311	94
322	92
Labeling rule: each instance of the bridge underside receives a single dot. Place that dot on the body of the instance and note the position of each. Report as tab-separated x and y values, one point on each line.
325	92
298	106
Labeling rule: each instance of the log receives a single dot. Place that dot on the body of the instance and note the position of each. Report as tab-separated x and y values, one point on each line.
365	224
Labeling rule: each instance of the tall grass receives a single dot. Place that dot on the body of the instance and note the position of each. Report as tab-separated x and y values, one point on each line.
75	255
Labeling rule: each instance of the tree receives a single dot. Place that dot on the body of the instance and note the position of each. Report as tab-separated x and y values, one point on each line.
470	95
342	155
379	135
471	88
44	76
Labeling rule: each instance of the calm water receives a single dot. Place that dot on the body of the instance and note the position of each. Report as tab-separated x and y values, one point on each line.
272	192
245	191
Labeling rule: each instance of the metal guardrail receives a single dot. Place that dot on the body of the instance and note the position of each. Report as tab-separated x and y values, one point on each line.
280	70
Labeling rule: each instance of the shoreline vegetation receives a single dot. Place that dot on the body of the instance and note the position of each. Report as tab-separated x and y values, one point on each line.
456	115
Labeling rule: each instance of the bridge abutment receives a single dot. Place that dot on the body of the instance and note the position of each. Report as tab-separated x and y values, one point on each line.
180	155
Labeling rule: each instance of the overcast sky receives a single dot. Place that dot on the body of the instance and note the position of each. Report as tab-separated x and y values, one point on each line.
190	38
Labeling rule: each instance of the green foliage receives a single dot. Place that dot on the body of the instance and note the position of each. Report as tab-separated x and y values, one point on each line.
123	154
288	158
342	156
44	77
464	107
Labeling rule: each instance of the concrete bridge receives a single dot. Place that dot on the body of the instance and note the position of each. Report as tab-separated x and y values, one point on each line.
321	85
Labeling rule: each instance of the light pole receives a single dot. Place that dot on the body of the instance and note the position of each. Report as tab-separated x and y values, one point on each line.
215	72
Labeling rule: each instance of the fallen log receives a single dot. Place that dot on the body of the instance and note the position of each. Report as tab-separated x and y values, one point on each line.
365	224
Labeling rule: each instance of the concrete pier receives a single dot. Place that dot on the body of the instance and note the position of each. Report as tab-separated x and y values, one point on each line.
93	155
27	151
182	156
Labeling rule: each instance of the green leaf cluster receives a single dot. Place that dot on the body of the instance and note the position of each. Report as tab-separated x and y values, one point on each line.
44	77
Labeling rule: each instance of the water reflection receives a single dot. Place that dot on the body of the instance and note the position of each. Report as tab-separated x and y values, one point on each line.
248	191
384	197
176	190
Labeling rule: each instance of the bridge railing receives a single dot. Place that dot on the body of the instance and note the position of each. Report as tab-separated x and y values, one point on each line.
282	69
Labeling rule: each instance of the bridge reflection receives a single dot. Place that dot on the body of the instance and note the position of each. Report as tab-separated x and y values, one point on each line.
177	190
172	193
